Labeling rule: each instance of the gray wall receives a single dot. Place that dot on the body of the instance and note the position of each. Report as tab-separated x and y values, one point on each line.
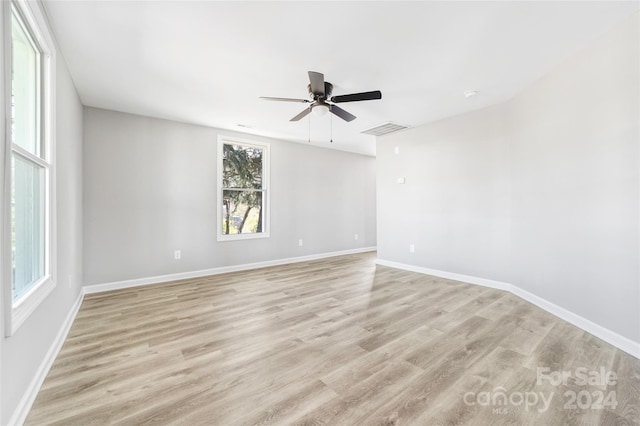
23	353
541	192
150	189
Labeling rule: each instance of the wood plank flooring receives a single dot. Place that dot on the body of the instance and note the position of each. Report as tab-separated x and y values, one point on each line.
338	341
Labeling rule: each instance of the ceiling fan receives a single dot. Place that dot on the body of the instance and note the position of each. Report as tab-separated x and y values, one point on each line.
320	97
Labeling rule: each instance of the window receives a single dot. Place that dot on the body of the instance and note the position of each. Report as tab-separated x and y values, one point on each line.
29	71
243	189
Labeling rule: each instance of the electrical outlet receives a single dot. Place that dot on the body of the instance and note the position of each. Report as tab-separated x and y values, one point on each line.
412	248
355	237
299	243
177	255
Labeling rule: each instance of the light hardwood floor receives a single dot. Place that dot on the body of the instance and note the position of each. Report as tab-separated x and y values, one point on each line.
338	341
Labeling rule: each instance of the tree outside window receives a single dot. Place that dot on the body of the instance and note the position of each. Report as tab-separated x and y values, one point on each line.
243	195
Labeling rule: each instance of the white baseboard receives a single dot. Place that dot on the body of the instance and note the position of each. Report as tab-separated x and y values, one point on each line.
24	405
623	343
117	285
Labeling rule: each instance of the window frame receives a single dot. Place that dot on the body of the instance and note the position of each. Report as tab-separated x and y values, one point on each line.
266	193
34	23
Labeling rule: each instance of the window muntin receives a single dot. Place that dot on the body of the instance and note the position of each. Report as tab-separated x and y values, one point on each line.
243	190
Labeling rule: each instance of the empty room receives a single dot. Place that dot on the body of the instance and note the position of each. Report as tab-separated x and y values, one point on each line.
300	212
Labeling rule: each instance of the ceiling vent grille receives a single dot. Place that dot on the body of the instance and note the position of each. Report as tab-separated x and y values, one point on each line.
384	129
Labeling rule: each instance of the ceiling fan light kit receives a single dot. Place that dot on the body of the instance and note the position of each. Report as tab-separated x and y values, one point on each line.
321	109
321	100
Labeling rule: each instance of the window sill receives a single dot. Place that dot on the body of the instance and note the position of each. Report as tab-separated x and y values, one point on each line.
28	303
241	237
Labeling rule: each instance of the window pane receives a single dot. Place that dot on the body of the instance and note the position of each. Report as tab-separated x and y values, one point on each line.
25	88
241	212
27	224
242	166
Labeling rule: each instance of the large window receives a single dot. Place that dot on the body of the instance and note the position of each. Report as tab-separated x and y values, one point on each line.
30	144
243	189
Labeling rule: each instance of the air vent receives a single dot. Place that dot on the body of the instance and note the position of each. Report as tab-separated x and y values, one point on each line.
384	129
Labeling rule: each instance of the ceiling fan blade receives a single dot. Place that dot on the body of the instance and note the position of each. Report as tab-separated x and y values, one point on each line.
269	98
346	116
364	96
302	114
317	83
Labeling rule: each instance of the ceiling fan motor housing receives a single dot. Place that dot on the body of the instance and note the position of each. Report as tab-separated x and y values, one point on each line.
328	88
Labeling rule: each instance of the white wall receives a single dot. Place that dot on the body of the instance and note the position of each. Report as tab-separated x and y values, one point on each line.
150	189
23	353
454	206
541	192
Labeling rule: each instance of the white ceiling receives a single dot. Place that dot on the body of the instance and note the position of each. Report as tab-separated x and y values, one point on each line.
207	62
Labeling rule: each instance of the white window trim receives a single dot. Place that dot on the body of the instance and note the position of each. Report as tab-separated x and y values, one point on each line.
16	313
266	213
